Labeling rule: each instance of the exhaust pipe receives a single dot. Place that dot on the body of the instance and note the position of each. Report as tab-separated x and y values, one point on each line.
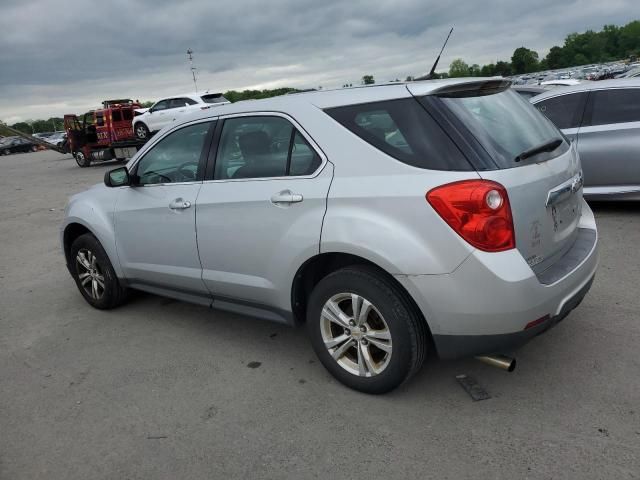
499	361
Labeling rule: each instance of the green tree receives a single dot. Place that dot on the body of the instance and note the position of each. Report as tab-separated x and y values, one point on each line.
474	70
368	80
524	60
409	78
458	68
630	39
555	58
503	68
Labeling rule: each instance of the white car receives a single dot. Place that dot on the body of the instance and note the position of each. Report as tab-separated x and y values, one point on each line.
166	110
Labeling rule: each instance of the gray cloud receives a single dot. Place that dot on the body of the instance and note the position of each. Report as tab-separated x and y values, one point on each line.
66	56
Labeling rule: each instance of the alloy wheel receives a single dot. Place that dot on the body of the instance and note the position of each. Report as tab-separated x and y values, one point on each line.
356	334
90	274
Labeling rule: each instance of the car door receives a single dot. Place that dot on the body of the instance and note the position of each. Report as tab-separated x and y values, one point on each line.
609	139
158	115
155	218
260	212
565	111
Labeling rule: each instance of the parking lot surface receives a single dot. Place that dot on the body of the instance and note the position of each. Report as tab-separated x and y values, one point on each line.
166	390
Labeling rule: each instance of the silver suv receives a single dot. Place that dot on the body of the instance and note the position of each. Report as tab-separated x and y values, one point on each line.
392	220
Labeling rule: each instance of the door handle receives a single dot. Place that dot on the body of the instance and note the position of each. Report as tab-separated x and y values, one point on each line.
179	204
286	196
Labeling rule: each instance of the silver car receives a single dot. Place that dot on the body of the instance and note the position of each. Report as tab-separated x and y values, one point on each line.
603	118
389	219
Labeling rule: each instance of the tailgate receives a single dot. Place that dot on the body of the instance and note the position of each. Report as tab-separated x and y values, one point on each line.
546	200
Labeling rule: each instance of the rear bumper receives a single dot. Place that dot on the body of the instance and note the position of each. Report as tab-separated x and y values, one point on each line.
485	305
456	346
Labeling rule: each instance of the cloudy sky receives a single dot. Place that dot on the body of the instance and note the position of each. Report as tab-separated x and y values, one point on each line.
66	56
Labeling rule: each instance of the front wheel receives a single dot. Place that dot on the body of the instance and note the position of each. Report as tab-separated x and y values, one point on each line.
81	159
94	274
142	132
365	331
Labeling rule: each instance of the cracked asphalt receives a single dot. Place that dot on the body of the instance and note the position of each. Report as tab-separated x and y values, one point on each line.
165	390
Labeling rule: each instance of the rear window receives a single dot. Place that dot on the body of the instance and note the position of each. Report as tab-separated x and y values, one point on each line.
213	98
403	130
506	125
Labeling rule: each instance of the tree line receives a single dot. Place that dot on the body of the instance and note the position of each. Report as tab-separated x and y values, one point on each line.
609	44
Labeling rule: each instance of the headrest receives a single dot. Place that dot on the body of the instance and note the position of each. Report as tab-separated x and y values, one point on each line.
254	143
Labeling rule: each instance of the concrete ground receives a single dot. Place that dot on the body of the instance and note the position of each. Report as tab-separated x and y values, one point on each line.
161	389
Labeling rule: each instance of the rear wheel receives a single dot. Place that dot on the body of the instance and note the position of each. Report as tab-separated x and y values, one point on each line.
81	159
6	151
34	148
94	274
364	330
142	132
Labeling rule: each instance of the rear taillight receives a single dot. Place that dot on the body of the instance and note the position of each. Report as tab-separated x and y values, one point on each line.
478	210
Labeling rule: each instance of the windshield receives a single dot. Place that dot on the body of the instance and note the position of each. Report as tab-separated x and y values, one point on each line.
506	125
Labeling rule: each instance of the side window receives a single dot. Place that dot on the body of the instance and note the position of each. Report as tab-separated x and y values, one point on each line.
615	106
564	111
163	105
100	119
178	102
304	159
404	130
253	147
175	158
189	101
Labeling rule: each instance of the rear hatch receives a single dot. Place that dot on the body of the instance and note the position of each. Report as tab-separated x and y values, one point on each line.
510	142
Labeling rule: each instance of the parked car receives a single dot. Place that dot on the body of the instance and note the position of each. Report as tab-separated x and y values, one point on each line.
10	145
166	110
56	138
603	118
634	72
387	218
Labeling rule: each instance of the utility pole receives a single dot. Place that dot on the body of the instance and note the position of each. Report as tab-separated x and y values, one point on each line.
193	69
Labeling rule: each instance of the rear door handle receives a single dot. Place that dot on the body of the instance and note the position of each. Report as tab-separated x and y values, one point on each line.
179	204
286	196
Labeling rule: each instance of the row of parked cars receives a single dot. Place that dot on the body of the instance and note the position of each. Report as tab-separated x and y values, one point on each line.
587	72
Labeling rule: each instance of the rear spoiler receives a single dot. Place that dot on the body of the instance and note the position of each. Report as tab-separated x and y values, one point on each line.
472	89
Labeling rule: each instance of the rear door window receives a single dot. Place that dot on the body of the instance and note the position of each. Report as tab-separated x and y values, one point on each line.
615	106
564	111
404	130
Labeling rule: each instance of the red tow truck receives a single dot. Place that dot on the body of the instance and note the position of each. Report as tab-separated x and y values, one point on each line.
103	134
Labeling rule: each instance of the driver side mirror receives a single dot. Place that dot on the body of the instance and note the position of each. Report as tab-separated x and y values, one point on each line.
118	177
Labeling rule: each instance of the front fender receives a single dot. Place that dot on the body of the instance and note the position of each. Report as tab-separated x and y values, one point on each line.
93	209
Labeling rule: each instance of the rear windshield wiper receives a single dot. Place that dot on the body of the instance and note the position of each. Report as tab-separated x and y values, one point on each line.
548	146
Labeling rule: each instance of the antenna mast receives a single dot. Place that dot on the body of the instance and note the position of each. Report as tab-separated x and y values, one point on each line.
435	64
193	69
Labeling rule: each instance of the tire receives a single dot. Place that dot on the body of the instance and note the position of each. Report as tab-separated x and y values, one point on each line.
85	252
392	315
81	160
34	148
141	131
6	151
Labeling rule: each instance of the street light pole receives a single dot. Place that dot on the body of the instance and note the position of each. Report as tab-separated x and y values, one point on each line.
193	69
